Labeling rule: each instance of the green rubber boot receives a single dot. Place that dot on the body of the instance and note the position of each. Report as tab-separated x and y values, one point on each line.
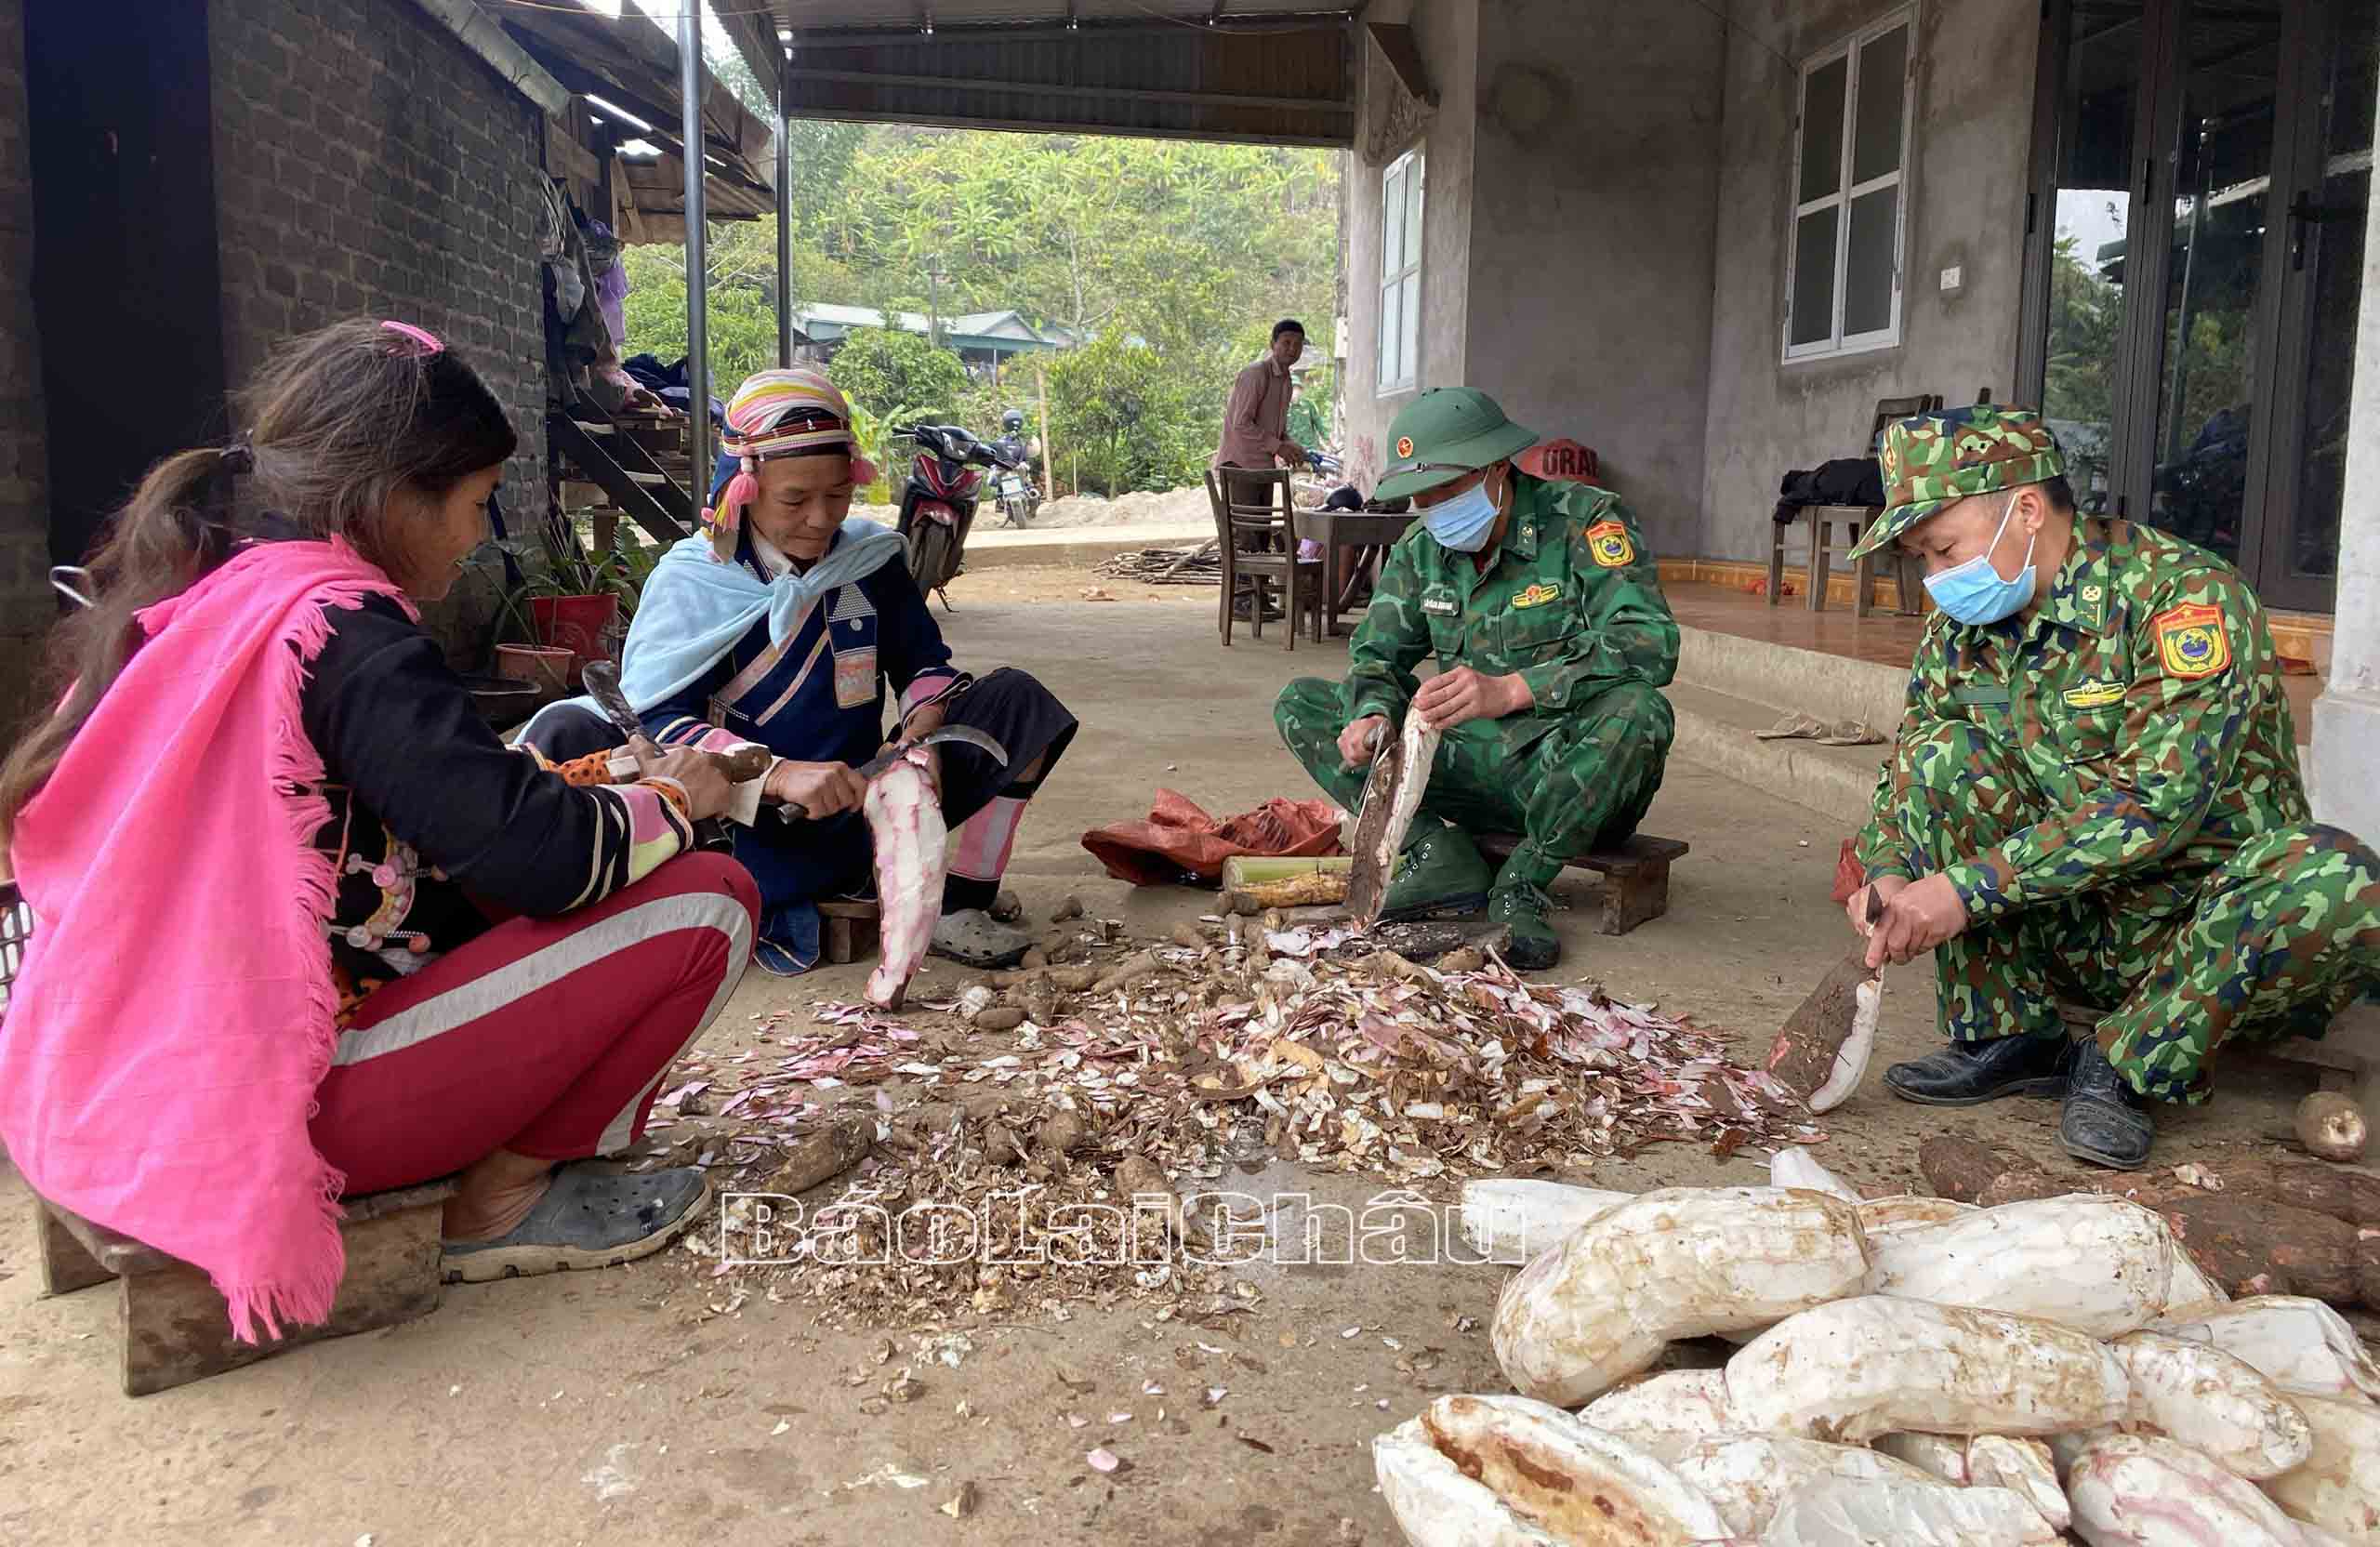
1440	875
1519	902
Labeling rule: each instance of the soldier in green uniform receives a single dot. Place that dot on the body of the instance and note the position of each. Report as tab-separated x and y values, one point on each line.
1545	617
2095	796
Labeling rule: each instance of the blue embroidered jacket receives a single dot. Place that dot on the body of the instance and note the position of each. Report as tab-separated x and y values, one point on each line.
817	696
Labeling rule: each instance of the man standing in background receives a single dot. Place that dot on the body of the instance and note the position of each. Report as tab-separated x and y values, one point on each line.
1256	418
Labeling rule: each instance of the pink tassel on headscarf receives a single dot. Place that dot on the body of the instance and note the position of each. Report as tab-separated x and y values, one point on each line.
723	521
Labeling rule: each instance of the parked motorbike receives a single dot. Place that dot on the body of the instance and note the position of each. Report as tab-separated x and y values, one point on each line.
938	502
1019	496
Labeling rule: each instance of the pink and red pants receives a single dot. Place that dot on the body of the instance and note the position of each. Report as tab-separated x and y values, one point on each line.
545	1036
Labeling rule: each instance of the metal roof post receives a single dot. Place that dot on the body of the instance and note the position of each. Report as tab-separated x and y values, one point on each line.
784	209
691	85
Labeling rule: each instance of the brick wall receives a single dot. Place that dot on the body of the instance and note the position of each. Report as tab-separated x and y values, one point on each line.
367	163
26	605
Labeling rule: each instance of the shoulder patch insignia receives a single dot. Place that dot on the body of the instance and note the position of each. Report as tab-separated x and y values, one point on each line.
2093	695
1537	595
2191	639
1608	540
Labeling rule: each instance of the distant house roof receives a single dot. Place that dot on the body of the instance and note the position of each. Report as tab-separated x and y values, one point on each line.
1007	331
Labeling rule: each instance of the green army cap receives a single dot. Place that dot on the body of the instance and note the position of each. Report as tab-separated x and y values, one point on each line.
1444	433
1934	459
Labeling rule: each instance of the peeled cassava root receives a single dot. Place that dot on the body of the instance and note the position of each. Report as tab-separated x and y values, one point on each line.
1665	1413
2137	1490
1749	1477
1859	1368
2248	1244
1681	1263
1476	1471
1854	1512
2098	1265
1513	1219
1392	796
2301	1345
2025	1469
2213	1402
1881	1216
2339	1486
1821	1052
1796	1167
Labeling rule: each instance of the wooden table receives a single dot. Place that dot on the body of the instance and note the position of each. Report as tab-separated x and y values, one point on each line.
1334	529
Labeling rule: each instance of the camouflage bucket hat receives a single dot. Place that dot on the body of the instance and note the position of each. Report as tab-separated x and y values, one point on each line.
1444	433
1934	459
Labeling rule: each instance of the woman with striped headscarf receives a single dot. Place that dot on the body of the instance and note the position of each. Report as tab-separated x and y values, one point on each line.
783	625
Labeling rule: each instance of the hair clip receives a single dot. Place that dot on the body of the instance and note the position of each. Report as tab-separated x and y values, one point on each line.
64	579
422	335
240	455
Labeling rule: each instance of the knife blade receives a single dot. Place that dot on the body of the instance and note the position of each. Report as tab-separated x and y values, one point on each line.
601	679
966	735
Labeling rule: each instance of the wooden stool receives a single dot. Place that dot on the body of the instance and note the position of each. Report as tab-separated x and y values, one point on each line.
850	930
1635	875
175	1328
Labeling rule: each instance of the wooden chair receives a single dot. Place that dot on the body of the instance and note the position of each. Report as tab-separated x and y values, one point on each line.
1852	520
1256	542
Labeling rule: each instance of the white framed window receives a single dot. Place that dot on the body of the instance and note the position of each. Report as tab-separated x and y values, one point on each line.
1400	273
1843	253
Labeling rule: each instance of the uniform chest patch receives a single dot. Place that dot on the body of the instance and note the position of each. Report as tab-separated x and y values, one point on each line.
1608	540
2191	639
1537	595
1439	606
2093	695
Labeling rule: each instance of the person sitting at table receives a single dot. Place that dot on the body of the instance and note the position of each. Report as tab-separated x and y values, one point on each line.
269	840
781	625
1553	641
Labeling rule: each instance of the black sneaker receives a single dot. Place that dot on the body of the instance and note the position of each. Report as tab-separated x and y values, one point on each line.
1967	1073
2105	1121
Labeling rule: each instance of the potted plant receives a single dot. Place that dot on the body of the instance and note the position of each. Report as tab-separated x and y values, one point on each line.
568	605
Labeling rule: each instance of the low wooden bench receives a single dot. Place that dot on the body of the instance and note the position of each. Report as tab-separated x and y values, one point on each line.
1635	875
849	930
174	1328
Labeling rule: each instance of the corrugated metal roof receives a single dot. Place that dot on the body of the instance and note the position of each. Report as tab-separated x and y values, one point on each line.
1270	71
799	14
629	62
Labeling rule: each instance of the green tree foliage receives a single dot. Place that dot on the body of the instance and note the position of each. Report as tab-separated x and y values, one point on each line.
901	376
1126	420
1177	258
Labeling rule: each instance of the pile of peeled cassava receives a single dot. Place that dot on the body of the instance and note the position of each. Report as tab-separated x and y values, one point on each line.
1908	1371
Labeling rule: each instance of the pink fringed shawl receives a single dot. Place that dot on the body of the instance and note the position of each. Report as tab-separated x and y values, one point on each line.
173	1016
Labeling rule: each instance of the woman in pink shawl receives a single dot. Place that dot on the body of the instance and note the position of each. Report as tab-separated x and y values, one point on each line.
306	926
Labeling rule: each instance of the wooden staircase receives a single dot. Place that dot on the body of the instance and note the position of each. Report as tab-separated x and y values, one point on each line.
618	457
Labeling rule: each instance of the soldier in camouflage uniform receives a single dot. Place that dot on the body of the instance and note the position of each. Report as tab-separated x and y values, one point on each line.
2095	796
1544	614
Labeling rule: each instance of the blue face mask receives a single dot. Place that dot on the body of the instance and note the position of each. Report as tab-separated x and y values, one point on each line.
1974	592
1462	524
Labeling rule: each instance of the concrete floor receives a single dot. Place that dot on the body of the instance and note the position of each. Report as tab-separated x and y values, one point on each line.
617	1406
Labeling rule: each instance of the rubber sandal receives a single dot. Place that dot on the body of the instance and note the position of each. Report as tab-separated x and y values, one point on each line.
976	939
587	1218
